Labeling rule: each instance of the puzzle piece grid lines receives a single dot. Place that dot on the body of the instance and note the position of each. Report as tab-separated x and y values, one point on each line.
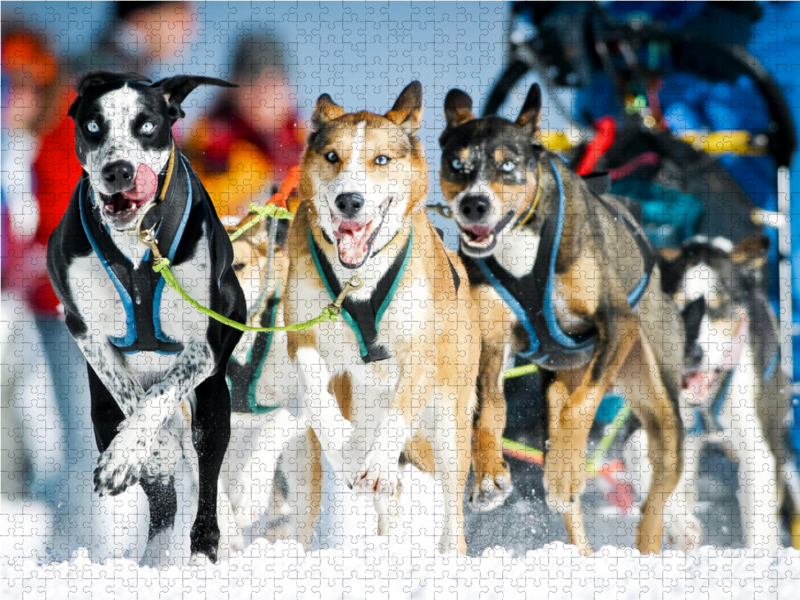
242	144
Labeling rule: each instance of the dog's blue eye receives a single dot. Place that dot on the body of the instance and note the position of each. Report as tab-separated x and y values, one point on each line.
382	160
148	128
332	157
93	127
508	166
457	164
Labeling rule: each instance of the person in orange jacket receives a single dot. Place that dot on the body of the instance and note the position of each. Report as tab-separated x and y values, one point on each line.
250	139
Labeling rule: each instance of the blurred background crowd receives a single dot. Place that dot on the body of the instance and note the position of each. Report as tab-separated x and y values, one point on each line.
242	142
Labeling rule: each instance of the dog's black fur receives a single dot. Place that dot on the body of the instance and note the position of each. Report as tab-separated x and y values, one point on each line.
118	390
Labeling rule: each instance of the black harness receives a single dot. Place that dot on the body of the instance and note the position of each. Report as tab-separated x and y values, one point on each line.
243	378
531	297
140	288
364	316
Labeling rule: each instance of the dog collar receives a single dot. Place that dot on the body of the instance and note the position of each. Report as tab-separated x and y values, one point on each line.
168	176
535	203
364	316
167	179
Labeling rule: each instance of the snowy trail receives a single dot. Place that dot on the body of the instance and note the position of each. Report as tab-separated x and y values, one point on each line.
379	569
368	566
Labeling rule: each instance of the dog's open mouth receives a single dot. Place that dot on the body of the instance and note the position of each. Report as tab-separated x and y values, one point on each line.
123	205
697	386
483	237
354	239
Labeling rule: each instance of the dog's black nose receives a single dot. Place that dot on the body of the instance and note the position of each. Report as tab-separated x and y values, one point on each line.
349	204
474	207
118	175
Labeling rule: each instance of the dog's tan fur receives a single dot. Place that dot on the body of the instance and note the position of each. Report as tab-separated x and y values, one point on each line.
598	261
425	391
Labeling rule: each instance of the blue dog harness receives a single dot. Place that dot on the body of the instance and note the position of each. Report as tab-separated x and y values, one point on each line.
140	288
531	297
704	419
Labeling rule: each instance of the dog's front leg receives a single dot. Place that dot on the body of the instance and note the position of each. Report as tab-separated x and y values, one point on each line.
377	471
121	464
110	367
321	412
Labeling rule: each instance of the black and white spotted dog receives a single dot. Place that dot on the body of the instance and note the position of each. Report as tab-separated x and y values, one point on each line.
147	349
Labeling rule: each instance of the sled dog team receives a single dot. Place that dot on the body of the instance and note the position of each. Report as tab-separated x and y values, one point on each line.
412	370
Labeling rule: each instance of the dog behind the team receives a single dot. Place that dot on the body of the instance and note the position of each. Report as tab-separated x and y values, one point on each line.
405	347
265	437
735	392
147	350
567	279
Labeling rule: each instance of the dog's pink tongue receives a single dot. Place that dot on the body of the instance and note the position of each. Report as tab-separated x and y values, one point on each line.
352	243
697	386
146	183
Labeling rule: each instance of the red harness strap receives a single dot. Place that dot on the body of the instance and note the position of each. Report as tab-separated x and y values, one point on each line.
606	129
287	187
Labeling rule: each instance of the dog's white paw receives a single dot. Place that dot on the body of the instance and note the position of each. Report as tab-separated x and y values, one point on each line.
199	560
376	473
157	552
120	466
682	532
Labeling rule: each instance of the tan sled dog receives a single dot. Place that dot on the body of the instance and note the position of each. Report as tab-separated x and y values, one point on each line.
567	279
407	340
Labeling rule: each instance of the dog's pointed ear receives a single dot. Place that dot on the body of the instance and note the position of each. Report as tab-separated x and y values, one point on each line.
407	109
325	111
531	112
176	89
751	251
457	108
100	78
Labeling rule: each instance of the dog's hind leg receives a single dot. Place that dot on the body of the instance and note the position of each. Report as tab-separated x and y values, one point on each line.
571	418
643	386
452	451
306	486
163	500
106	413
211	430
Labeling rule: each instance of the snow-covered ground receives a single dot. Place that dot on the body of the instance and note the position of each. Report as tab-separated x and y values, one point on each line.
391	569
348	562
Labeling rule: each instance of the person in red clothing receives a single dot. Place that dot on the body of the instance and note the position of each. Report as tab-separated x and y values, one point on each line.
34	109
252	137
56	172
40	145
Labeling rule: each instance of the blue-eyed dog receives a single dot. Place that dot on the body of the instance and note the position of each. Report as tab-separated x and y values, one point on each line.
567	279
406	347
147	349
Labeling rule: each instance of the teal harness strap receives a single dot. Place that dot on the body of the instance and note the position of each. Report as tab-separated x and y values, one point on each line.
243	378
363	316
